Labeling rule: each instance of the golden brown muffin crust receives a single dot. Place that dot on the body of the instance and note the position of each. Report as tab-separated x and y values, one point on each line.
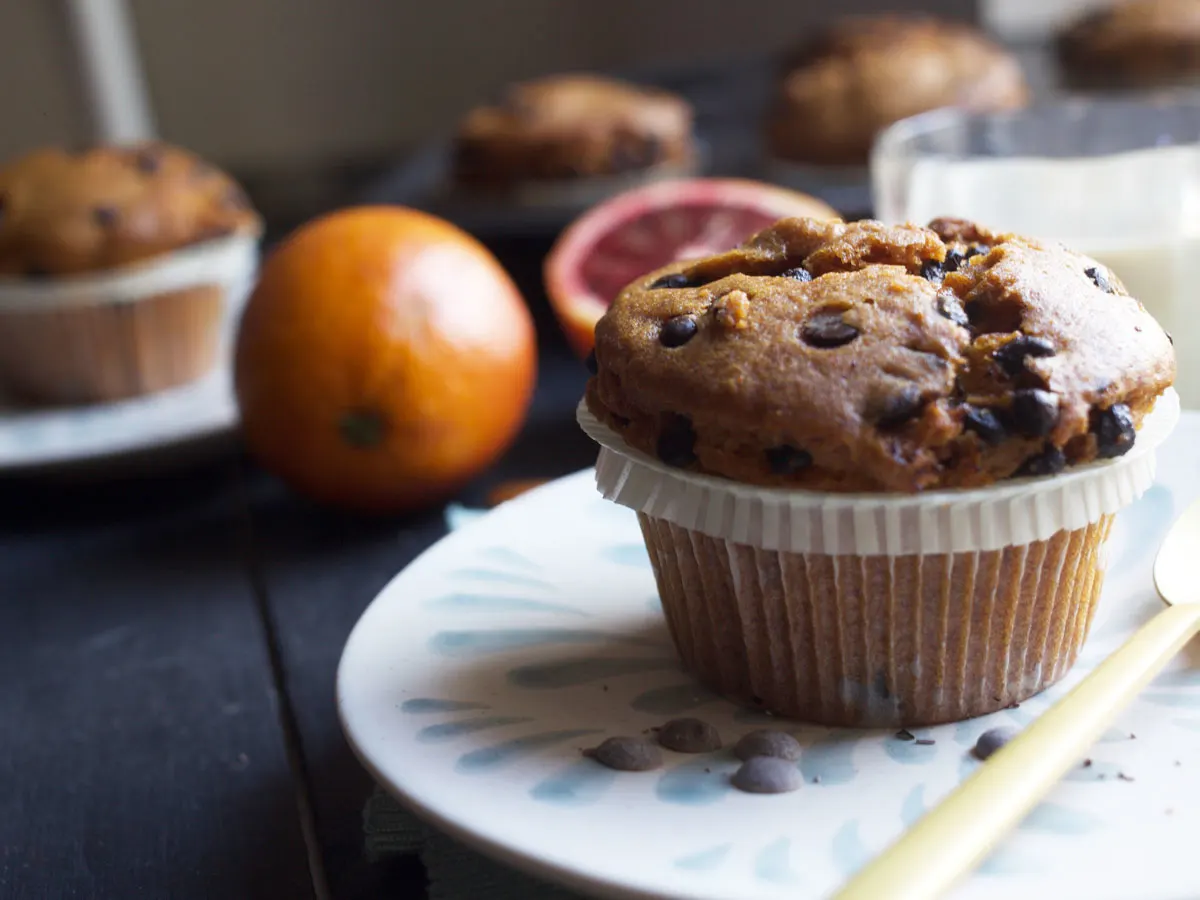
865	73
65	212
568	126
1141	42
867	357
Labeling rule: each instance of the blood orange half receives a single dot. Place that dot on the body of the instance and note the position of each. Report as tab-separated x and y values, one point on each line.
638	231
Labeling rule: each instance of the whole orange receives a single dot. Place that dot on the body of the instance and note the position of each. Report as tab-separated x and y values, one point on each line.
383	359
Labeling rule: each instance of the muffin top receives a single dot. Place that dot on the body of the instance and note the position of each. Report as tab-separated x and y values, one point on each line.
572	125
1141	41
63	212
863	74
869	357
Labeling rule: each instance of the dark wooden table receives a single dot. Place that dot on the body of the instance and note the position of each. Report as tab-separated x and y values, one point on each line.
168	646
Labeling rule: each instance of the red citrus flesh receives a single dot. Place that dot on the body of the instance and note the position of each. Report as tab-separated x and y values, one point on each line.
643	229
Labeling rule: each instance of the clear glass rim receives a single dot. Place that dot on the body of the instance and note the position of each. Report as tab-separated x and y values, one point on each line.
900	135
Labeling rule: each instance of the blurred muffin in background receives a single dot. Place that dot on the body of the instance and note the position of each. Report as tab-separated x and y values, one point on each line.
566	128
1132	44
862	74
115	266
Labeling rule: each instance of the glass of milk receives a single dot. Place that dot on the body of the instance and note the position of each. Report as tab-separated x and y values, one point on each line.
1117	179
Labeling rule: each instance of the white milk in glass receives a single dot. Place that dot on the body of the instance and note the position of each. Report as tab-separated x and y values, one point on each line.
1137	213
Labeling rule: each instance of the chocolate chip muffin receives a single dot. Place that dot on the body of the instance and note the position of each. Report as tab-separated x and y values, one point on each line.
848	83
866	357
824	432
1136	43
94	304
570	127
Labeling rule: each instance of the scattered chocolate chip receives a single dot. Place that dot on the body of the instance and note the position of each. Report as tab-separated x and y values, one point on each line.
992	740
898	408
925	742
627	754
1124	777
1087	764
104	215
984	423
1050	461
954	260
788	460
677	442
1113	427
932	270
797	274
674	280
592	365
905	735
767	775
677	331
1167	333
1034	412
689	736
147	161
949	307
1100	277
1011	357
979	250
767	742
826	330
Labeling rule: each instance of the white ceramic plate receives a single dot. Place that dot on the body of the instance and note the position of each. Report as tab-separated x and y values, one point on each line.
473	680
37	438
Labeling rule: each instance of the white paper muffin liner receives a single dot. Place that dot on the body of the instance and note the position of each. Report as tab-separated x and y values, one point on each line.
1016	511
878	610
227	262
126	332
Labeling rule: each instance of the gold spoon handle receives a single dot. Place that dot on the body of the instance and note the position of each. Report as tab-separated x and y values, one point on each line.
958	834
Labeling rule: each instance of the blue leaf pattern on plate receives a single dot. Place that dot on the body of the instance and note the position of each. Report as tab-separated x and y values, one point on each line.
496	603
626	555
431	705
673	699
774	864
849	852
496	755
829	761
574	672
697	782
500	640
1052	818
580	784
502	577
446	731
705	860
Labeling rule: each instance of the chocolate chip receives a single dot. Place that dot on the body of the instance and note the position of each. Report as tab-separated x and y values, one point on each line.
979	250
592	366
826	330
1100	277
147	161
992	740
1011	356
905	735
104	215
1167	333
627	754
767	742
767	775
677	331
36	271
984	423
797	274
898	408
932	270
674	280
954	260
925	742
788	460
1050	461
1034	412
677	442
1114	430
950	307
689	736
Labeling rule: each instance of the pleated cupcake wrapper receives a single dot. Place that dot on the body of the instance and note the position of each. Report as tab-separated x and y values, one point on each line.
883	610
1013	512
117	334
226	261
